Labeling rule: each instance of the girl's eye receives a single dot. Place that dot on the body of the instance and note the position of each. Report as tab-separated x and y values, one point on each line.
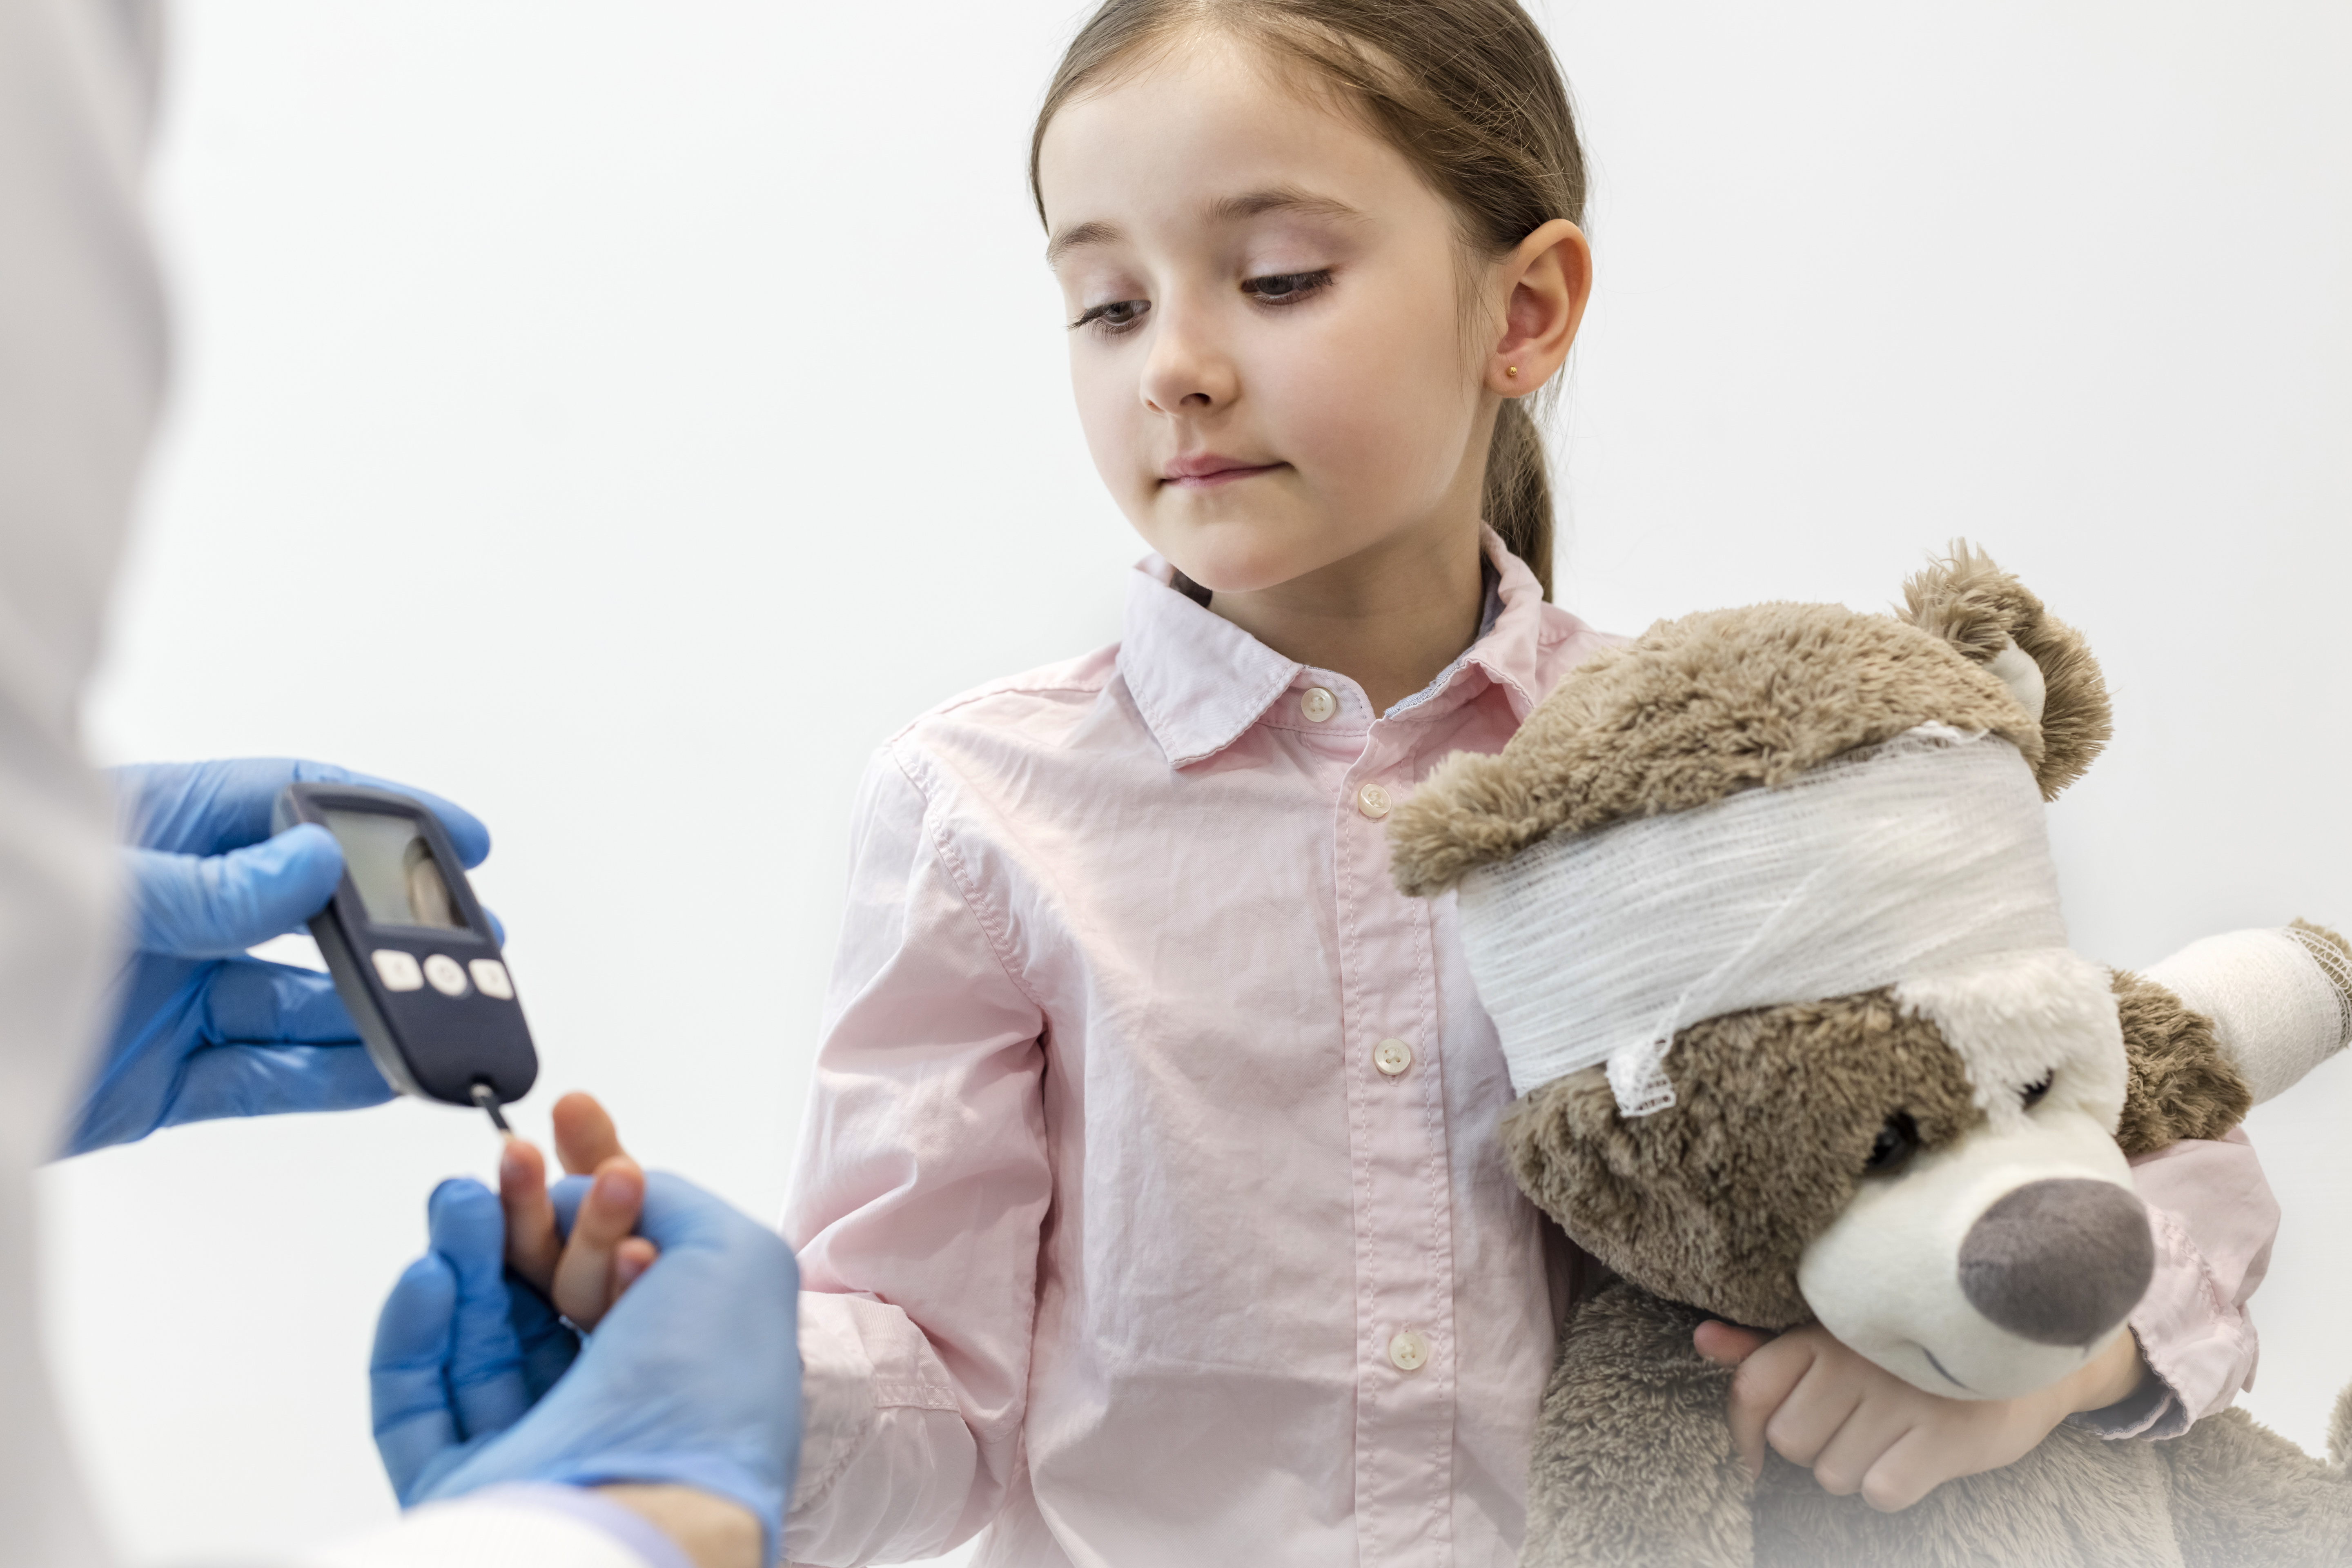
1114	318
2031	1094
1892	1148
1283	288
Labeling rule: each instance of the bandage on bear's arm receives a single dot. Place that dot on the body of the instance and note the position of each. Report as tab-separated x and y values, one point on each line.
2280	1001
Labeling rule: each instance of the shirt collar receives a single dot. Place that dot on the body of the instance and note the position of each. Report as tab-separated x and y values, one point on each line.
1200	681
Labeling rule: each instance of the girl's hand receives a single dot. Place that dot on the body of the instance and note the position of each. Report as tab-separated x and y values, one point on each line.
586	1273
1860	1428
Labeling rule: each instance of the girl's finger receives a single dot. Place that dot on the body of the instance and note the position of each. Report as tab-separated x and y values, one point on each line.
1812	1414
1908	1471
1726	1345
533	1244
584	1287
1847	1461
1764	1381
630	1259
584	1136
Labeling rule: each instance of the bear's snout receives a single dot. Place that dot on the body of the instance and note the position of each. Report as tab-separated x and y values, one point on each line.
2059	1262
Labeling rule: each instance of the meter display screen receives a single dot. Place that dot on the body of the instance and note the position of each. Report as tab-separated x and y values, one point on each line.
392	868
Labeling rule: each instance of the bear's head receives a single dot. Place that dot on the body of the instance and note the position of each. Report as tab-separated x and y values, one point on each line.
1763	908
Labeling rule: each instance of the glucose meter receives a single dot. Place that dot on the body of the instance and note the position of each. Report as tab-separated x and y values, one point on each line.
412	956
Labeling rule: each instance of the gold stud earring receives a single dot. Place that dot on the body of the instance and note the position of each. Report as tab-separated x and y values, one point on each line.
1513	372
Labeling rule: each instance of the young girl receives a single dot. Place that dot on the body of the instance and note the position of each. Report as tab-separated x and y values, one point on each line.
1150	1206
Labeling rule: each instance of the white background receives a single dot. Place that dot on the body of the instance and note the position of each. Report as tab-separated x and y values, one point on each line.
621	417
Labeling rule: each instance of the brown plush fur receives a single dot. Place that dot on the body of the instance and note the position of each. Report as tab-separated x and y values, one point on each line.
1694	711
1634	1461
2243	1495
1775	1111
1977	608
2180	1084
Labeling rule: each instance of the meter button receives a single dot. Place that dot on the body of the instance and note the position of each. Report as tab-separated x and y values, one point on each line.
491	979
397	970
448	976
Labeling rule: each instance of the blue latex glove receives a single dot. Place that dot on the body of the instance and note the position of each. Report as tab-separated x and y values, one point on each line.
693	1378
200	1030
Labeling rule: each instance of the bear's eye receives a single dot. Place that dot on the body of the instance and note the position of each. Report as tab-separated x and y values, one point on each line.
2030	1096
1892	1148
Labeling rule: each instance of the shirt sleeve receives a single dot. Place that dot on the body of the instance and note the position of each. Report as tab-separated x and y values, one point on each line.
510	1527
918	1200
2213	1220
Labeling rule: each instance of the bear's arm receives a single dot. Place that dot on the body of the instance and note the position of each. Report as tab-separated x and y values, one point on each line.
1633	1462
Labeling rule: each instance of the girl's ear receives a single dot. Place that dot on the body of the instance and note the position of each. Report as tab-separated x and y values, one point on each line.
1545	281
1995	620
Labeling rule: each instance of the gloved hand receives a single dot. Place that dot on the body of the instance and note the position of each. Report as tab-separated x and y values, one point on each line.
693	1378
200	1030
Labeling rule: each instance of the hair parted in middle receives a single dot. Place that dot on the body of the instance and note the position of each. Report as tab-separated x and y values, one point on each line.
1467	91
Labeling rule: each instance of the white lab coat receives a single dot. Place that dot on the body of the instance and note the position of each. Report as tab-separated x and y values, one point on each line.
82	359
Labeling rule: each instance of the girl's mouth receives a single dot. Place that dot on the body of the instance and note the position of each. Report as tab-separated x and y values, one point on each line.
1210	470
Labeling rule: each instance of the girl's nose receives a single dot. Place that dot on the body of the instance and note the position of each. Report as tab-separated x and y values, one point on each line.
1187	373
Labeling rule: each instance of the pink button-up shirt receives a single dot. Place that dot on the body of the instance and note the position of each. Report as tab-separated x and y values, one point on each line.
1150	1206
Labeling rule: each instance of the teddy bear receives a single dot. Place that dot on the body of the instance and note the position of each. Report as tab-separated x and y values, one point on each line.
1762	905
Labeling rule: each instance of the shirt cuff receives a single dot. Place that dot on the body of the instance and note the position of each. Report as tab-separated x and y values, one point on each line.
2151	1410
2191	1334
631	1529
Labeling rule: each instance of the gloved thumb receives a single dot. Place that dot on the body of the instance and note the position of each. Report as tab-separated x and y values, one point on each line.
414	1419
214	906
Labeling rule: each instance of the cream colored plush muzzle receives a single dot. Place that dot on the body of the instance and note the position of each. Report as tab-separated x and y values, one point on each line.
1996	1265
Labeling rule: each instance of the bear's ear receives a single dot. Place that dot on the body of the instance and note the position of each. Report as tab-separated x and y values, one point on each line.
1995	620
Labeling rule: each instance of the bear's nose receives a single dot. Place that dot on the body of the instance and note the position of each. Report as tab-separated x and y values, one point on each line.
2059	1262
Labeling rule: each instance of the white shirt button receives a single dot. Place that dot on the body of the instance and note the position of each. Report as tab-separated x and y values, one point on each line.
1318	704
448	977
1372	801
1409	1351
397	970
1393	1056
491	979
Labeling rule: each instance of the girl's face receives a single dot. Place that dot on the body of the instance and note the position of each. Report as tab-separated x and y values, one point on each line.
1267	339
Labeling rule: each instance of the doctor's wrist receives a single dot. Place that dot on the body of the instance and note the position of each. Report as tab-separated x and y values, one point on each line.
712	1530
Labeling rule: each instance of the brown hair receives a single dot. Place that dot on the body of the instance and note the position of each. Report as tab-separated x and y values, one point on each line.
1467	90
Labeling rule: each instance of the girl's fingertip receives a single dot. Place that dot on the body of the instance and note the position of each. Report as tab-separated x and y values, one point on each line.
619	1184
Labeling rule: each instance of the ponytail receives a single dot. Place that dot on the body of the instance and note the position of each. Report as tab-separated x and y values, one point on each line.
1518	495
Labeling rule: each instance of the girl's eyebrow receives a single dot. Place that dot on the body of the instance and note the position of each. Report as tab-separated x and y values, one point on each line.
1077	238
1224	210
1279	199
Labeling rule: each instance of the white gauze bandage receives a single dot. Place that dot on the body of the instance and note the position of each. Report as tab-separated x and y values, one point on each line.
1925	853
